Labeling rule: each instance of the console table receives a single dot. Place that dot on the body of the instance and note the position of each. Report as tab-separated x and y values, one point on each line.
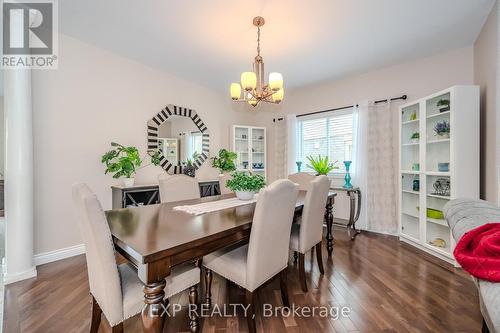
141	195
354	195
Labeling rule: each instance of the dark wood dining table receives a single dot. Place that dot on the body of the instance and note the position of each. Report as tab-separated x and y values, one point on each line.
156	238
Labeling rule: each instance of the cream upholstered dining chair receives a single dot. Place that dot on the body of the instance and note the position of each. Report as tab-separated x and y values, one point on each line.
309	232
178	188
116	289
222	183
266	255
302	178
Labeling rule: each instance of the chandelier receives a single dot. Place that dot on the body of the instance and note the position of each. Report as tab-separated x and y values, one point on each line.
255	90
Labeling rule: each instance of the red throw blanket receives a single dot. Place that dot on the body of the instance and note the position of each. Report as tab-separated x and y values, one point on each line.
478	252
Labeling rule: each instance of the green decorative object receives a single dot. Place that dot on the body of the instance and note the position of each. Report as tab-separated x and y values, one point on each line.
225	161
413	116
347	177
435	214
321	165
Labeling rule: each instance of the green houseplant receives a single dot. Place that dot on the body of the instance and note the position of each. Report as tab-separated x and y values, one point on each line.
415	137
321	165
125	161
443	105
245	184
224	161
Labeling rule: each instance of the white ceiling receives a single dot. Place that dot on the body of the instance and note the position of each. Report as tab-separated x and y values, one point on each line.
211	42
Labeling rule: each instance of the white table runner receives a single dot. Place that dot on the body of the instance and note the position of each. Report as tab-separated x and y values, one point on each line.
212	206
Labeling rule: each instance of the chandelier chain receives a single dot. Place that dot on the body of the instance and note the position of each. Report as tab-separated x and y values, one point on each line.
258	41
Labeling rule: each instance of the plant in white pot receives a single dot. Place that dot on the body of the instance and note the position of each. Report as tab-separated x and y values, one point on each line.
245	184
125	161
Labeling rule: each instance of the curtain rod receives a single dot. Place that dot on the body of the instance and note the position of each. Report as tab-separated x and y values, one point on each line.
403	97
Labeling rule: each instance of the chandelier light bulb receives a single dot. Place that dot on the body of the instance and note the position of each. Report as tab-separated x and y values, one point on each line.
248	81
275	81
235	91
278	96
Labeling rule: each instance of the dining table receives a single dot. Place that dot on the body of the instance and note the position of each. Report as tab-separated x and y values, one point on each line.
156	238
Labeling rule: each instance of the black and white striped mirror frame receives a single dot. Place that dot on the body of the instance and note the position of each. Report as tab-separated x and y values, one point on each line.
153	146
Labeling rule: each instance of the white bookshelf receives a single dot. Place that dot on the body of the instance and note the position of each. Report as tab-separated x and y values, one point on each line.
460	150
249	144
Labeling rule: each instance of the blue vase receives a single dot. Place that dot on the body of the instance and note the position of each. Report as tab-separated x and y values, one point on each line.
299	165
347	177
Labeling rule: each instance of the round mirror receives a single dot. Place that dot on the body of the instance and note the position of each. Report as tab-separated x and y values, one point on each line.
180	137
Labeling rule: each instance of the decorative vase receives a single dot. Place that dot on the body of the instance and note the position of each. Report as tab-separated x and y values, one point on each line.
347	176
189	170
128	182
245	195
299	165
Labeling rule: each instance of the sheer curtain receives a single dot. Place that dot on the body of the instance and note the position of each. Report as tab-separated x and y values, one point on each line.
381	171
284	147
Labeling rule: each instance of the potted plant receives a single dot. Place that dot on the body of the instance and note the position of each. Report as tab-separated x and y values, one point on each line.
321	165
442	129
443	105
125	161
189	169
245	184
225	161
415	137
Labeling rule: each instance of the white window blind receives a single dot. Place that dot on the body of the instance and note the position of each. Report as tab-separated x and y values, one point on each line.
327	136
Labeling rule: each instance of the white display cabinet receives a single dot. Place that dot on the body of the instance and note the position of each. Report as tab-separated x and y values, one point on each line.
442	164
249	144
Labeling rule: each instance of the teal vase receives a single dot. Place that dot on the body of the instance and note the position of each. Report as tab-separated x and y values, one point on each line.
347	177
299	165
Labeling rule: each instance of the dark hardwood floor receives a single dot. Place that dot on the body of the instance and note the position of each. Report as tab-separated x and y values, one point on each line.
388	287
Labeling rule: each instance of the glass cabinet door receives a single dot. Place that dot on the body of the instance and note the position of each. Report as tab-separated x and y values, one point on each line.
241	147
258	150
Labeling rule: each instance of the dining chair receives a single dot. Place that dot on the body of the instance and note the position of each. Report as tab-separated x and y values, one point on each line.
266	255
308	233
116	289
222	183
302	178
178	188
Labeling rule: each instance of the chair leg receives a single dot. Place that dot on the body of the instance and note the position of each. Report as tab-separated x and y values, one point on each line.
485	328
96	316
319	258
295	257
193	309
208	287
250	312
118	328
302	272
284	288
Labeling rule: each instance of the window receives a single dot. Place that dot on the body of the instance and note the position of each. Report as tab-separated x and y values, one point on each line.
197	142
328	136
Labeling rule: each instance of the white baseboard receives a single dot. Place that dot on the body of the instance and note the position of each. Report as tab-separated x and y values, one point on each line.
67	252
11	278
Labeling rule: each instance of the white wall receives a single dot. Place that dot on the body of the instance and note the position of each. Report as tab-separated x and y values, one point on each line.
96	97
486	59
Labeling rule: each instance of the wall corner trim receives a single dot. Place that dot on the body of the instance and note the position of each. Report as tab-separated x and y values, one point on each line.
51	256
